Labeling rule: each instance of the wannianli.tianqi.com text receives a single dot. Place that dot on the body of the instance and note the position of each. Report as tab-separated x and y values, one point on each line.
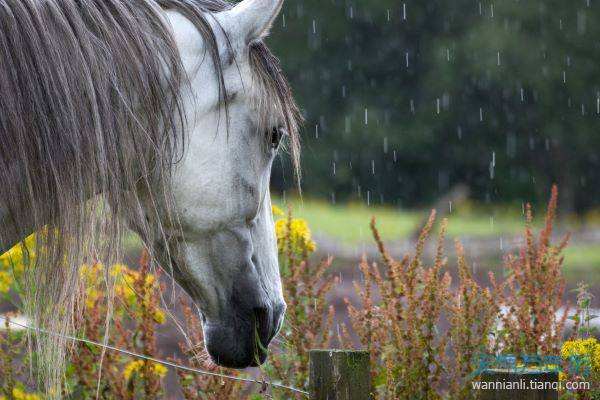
531	384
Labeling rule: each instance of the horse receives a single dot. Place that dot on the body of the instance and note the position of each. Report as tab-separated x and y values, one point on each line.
159	116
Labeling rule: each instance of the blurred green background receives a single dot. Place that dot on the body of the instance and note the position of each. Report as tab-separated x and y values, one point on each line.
405	100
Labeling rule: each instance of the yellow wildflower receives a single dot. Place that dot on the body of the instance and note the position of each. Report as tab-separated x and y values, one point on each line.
131	368
562	376
578	347
587	348
160	370
299	237
19	255
12	263
278	212
6	280
159	316
118	269
596	358
135	367
20	394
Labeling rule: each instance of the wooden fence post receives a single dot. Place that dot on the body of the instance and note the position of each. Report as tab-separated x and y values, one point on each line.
339	375
502	384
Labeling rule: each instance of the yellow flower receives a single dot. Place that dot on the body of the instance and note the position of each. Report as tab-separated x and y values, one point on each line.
159	316
596	358
136	367
578	347
587	348
20	394
160	370
562	376
6	280
13	262
278	212
299	237
131	368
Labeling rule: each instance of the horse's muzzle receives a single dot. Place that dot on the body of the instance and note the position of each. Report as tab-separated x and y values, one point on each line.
242	340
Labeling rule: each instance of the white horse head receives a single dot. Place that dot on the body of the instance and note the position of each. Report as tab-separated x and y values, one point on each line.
93	104
226	258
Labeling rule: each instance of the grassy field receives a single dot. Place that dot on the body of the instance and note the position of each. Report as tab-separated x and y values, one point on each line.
350	223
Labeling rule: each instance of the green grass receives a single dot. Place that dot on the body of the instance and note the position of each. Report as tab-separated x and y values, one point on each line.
350	223
577	256
582	264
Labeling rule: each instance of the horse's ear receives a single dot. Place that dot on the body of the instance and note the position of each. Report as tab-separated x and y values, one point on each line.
249	20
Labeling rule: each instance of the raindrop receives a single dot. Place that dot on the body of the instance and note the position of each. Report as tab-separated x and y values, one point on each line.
283	21
480	114
316	131
438	105
498	58
491	11
522	95
347	125
366	116
404	11
385	145
344	91
314	27
388	15
406	59
373	167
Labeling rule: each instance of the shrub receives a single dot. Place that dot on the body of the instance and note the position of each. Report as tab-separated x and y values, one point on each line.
402	310
409	355
308	322
423	328
533	291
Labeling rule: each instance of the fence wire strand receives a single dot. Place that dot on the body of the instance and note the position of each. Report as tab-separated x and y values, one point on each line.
156	360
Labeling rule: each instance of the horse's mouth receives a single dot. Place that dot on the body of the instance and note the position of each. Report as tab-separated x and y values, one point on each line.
242	341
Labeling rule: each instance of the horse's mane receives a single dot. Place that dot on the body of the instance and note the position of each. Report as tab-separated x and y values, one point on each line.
90	106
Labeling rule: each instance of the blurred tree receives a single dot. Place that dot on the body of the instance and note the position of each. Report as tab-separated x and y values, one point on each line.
405	100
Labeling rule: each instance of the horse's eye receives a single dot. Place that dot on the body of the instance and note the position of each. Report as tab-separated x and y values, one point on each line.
277	135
